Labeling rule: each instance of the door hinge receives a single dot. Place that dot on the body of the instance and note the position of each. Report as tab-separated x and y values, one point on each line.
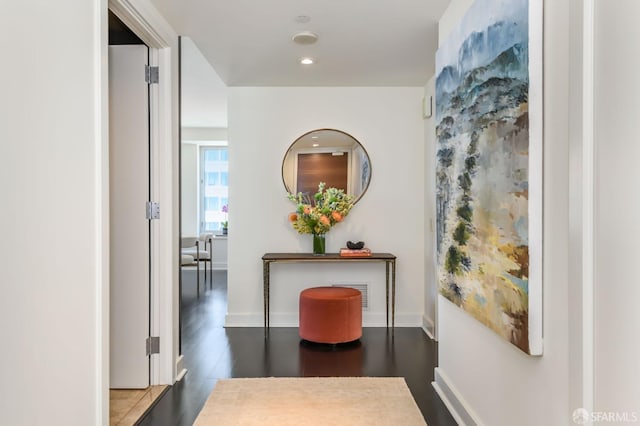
153	210
153	345
151	74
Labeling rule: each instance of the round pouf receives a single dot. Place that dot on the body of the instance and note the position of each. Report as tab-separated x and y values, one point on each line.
330	314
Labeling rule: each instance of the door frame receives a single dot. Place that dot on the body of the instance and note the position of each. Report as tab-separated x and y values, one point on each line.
156	33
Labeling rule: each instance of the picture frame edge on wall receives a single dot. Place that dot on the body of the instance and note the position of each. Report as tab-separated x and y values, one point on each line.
534	181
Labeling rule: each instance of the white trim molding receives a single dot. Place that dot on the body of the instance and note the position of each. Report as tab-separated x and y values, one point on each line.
290	319
147	23
588	203
101	167
429	327
581	205
180	368
460	410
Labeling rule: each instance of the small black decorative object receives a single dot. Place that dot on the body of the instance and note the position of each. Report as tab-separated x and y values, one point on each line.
355	246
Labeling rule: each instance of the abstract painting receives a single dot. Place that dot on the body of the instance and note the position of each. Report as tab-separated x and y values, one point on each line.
489	168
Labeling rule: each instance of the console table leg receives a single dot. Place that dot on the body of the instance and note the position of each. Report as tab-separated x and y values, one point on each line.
265	296
387	288
390	275
393	294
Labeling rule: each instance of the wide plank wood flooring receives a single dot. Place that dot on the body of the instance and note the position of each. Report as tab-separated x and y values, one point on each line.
212	352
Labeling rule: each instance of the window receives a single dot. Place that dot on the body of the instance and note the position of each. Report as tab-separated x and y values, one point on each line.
211	203
213	178
214	187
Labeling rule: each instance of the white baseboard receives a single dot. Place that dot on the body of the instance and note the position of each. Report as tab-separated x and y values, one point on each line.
457	406
180	368
380	320
429	328
181	374
291	320
257	320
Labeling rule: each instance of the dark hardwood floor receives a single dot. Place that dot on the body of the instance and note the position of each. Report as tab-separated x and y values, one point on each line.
212	352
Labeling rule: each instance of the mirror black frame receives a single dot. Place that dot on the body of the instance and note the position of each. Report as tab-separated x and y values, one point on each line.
291	147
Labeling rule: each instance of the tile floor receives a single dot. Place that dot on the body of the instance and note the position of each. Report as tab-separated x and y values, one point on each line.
127	406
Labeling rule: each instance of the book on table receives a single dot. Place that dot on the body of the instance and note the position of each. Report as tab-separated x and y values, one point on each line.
363	252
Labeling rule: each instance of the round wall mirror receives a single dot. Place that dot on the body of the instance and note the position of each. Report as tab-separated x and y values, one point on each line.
330	156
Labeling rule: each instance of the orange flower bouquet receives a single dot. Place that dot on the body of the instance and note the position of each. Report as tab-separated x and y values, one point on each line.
318	214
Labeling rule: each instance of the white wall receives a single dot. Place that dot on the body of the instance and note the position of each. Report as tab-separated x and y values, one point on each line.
499	384
203	93
206	134
617	228
189	186
591	101
263	122
54	216
142	18
52	166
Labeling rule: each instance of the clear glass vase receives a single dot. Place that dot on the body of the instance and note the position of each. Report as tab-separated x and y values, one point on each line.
318	244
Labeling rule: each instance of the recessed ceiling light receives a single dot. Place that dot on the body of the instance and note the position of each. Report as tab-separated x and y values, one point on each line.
305	37
306	61
314	137
315	145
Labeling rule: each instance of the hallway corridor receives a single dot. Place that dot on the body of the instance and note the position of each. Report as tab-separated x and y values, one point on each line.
213	352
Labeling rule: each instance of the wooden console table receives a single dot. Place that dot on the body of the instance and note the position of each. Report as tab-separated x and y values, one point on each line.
387	258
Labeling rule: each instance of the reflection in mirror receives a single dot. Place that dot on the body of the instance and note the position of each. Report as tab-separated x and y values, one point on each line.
330	156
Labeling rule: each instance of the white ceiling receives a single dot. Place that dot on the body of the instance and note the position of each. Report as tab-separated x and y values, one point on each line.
204	94
248	43
361	42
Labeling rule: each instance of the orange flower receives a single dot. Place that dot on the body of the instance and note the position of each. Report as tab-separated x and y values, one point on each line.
336	216
307	210
293	217
324	220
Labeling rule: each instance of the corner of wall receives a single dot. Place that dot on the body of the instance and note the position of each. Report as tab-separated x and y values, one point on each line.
430	284
429	327
455	403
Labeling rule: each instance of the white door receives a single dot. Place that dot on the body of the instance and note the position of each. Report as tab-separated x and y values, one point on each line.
129	227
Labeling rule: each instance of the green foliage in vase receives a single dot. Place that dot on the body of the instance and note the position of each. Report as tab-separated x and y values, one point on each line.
317	214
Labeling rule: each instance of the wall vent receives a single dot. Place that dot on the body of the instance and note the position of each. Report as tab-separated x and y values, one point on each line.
364	289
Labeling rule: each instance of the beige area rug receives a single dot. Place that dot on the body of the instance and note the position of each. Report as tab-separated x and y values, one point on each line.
311	401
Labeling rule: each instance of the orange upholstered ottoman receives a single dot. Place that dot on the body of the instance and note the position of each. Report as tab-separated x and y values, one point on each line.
330	314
